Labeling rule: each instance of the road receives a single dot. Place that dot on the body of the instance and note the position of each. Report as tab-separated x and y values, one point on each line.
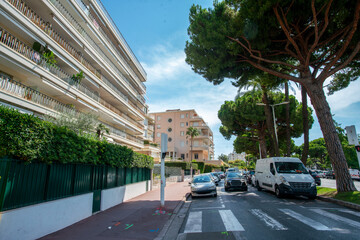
260	215
331	183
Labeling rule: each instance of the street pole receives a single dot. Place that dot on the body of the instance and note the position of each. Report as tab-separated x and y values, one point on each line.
353	139
164	141
276	136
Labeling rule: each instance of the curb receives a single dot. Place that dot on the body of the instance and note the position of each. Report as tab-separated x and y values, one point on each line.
340	202
164	232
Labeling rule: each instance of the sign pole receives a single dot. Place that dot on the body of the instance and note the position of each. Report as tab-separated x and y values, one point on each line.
353	139
164	141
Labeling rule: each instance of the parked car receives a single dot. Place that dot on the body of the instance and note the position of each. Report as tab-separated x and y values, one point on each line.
316	177
203	185
221	175
355	174
285	176
249	176
330	174
321	173
235	181
215	179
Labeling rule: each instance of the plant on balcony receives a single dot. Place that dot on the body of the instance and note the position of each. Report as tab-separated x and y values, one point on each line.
146	142
28	94
78	77
49	57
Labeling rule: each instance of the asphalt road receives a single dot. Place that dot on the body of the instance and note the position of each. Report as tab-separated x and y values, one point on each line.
261	215
331	183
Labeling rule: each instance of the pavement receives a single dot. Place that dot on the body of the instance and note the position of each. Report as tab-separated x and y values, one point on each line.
138	218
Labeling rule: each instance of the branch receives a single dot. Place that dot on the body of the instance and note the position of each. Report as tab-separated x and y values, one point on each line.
282	24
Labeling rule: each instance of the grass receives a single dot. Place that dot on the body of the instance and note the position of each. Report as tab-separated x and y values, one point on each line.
353	197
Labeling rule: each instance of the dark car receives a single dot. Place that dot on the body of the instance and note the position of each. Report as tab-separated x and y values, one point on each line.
235	181
330	174
221	175
214	178
316	177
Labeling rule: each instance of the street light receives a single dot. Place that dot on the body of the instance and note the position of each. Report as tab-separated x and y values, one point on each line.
273	112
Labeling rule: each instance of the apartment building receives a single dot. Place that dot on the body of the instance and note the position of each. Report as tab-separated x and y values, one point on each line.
175	124
59	56
237	156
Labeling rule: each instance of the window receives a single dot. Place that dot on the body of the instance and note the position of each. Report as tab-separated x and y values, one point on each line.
187	115
187	142
187	155
182	116
158	118
182	124
196	156
158	126
196	124
182	156
158	134
182	144
187	124
182	133
169	139
170	120
169	129
196	143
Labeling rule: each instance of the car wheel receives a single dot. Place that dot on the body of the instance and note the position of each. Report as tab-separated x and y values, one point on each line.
245	189
226	189
258	186
278	192
312	197
215	195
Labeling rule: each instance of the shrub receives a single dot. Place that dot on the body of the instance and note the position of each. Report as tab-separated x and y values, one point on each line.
201	166
183	165
28	138
211	167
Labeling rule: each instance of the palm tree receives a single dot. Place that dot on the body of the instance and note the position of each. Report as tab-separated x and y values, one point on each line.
192	132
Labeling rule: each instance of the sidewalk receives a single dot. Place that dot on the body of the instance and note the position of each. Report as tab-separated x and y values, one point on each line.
137	218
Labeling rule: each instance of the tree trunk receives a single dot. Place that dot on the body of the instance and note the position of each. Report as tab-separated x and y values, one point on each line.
262	142
305	115
191	170
287	108
344	182
269	123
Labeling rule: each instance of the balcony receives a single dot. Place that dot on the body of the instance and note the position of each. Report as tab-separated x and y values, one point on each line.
94	22
46	28
122	134
21	91
82	32
200	147
20	47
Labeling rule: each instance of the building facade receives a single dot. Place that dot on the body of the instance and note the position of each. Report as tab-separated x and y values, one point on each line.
61	56
175	124
236	156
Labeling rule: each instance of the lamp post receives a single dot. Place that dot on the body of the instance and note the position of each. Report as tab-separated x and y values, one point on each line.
273	112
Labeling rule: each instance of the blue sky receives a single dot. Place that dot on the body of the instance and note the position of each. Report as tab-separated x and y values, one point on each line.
156	31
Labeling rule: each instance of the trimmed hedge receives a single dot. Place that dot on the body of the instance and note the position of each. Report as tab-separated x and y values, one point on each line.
183	165
211	167
201	166
29	138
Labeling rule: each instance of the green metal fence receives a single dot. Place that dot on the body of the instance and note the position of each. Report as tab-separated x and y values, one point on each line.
23	184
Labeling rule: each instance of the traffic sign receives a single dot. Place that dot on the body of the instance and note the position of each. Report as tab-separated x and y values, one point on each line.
357	147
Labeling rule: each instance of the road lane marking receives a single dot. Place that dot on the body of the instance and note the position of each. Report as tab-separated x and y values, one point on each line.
269	221
306	220
230	221
349	211
337	218
194	222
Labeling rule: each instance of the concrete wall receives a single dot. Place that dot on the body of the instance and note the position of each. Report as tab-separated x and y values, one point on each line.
38	220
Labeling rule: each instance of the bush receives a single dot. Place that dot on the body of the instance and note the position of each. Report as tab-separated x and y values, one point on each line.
211	167
201	166
28	138
183	165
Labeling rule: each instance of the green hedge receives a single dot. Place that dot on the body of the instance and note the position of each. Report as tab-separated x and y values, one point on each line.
28	138
210	167
183	165
201	166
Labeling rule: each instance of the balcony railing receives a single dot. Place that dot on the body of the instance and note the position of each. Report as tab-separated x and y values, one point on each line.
20	90
76	25
46	27
123	134
20	47
97	26
121	37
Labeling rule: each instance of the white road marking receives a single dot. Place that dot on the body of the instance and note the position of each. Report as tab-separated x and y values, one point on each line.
269	221
311	223
194	222
337	217
349	211
230	221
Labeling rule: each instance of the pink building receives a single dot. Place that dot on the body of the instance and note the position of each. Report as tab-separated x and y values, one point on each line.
175	124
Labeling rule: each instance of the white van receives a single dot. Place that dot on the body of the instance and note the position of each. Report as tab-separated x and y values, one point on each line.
284	176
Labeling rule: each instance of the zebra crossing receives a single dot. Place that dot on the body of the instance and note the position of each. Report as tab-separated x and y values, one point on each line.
231	223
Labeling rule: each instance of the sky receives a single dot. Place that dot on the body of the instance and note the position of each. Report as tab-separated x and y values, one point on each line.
156	31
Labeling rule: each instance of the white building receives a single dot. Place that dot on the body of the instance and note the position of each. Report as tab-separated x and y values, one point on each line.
237	156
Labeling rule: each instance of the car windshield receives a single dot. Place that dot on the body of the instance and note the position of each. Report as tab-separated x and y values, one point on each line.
234	175
290	167
201	179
